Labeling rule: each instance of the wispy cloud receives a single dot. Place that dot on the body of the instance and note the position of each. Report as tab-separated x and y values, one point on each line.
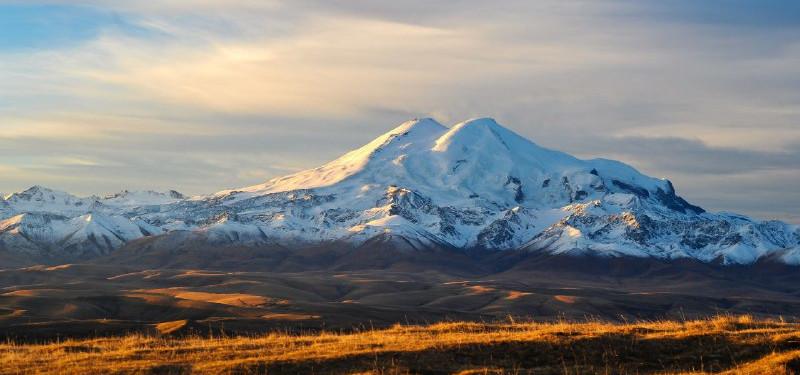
205	95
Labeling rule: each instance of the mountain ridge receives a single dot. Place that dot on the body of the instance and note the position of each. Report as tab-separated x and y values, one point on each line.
476	185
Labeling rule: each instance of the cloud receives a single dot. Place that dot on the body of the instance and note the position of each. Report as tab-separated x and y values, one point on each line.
206	95
334	67
673	154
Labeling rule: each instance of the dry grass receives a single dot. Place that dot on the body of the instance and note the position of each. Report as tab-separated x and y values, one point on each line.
723	344
232	299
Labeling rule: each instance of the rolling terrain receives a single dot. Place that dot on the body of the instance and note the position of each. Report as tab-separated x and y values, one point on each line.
80	300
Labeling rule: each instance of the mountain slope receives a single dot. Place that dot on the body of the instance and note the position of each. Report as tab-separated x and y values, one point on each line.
476	186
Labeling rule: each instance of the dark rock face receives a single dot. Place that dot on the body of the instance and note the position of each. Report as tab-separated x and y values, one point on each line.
501	232
516	185
638	191
406	203
176	195
580	195
458	164
497	233
675	202
667	198
335	216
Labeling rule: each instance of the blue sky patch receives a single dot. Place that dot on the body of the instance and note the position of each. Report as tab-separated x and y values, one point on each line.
55	26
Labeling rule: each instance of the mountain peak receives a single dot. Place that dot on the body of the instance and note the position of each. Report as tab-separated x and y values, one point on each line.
425	124
481	126
481	121
412	131
39	192
40	188
419	133
478	132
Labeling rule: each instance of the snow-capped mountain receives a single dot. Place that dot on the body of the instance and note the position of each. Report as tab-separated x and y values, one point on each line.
476	185
44	200
142	198
53	224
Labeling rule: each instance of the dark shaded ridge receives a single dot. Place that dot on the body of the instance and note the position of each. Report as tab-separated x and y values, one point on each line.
641	192
675	202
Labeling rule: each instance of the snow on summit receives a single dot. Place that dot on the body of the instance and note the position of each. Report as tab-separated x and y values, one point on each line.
410	136
474	185
477	157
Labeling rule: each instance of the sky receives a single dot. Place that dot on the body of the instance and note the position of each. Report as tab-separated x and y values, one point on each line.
200	96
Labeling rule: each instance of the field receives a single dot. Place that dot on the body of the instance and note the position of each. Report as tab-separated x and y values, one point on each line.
723	344
88	318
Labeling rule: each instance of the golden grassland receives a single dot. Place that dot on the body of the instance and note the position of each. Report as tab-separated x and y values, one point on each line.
723	344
